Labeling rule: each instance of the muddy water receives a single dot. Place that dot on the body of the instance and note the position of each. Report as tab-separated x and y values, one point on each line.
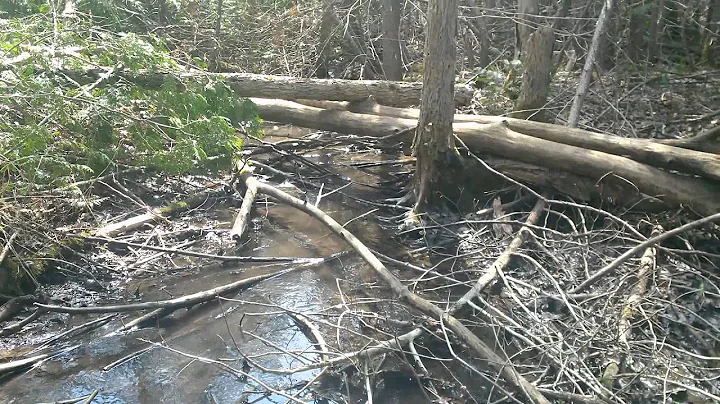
212	330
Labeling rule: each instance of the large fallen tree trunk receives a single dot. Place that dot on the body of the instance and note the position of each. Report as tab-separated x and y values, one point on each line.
500	140
653	153
398	93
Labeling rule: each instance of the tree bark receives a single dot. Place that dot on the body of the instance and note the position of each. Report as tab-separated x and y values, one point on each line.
536	77
586	75
434	144
561	16
499	140
635	35
392	64
656	22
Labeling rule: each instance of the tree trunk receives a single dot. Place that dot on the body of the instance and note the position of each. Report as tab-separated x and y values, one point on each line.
468	50
536	78
711	34
527	15
434	144
326	27
586	75
656	23
499	140
636	28
479	26
392	64
561	16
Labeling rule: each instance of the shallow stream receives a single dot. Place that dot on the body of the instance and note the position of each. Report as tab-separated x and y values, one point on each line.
212	330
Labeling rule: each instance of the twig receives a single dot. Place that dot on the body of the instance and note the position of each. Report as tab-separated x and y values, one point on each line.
229	368
127	358
22	363
75	331
13	328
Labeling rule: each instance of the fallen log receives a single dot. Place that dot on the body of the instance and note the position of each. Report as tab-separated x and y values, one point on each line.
500	140
397	93
666	154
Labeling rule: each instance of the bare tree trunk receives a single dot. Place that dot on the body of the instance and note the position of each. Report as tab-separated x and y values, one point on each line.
218	21
635	35
527	13
536	78
326	27
468	49
586	75
561	15
391	63
434	144
656	21
478	25
711	33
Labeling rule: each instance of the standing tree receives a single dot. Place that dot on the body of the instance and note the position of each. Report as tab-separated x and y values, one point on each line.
537	58
391	63
528	11
434	144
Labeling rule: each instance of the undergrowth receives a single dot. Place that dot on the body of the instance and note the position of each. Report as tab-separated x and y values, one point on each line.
70	109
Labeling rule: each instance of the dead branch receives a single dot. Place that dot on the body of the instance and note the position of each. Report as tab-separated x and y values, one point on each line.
240	225
311	332
647	265
114	229
23	363
501	261
226	258
184	301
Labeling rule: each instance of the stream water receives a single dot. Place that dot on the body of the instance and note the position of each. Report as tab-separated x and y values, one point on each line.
212	330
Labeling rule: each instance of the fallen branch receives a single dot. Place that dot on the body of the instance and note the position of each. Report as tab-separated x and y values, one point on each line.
23	363
185	301
227	258
505	368
608	269
240	225
114	229
311	332
501	261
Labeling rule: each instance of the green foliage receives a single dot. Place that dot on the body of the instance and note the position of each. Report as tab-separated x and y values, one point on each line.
73	105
